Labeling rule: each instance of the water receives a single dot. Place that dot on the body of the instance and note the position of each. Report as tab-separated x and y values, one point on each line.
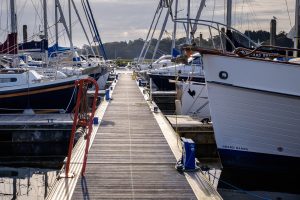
25	183
236	184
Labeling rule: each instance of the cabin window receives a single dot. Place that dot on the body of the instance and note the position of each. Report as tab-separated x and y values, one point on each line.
196	61
8	80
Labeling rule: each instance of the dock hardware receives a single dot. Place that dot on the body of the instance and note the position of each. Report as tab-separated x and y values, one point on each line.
83	118
188	160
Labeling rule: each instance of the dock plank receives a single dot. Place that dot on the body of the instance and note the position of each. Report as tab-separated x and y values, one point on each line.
130	158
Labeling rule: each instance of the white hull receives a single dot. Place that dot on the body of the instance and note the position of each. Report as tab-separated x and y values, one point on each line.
194	99
102	81
255	106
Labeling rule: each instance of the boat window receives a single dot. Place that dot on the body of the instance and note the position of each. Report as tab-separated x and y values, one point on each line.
196	61
8	80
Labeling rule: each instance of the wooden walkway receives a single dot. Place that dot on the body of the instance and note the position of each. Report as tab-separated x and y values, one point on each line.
130	158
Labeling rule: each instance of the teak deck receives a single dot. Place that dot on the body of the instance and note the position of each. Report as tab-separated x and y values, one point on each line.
130	158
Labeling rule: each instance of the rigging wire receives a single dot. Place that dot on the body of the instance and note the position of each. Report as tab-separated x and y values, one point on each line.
242	16
288	12
21	13
250	6
214	9
1	8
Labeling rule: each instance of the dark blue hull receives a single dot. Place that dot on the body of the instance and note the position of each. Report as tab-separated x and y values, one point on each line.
163	84
232	159
52	97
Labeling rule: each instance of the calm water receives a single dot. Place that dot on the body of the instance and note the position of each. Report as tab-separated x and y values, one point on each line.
25	183
249	185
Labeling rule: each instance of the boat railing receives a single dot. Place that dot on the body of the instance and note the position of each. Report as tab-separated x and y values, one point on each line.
217	35
232	41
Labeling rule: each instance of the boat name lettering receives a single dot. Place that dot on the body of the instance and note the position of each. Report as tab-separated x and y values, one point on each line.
234	148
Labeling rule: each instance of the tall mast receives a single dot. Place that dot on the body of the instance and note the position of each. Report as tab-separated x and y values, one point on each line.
188	21
13	17
70	19
175	27
297	26
162	30
148	34
56	22
202	5
45	29
45	19
63	20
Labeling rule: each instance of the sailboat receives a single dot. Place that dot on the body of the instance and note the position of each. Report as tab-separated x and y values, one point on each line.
22	89
67	59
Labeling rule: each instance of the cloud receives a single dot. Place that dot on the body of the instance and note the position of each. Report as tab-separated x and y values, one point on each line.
124	20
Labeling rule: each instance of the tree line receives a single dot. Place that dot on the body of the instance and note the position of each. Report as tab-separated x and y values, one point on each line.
132	48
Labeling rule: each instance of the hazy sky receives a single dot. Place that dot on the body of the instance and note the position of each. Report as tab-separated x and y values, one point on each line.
124	20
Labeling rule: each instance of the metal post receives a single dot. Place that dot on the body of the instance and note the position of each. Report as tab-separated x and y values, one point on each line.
229	13
228	22
151	90
25	35
273	32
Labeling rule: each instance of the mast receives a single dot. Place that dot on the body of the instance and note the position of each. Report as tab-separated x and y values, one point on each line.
45	19
297	27
162	30
175	27
148	34
13	17
45	29
188	21
202	5
63	20
83	28
70	19
56	23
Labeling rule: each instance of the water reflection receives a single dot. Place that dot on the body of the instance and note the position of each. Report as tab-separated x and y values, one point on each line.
25	183
236	184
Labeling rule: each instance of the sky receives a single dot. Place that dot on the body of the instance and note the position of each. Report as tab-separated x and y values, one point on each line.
124	20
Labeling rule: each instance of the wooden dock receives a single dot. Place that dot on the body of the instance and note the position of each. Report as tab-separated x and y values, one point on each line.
130	158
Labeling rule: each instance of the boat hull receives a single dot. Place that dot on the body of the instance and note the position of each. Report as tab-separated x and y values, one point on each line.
194	99
51	97
256	123
232	159
163	84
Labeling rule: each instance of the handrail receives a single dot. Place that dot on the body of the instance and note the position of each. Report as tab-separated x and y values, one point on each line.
82	118
221	34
